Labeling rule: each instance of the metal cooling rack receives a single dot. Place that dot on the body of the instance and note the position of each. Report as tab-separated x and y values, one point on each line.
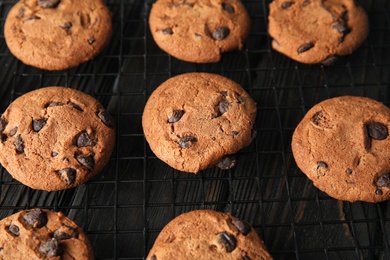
125	207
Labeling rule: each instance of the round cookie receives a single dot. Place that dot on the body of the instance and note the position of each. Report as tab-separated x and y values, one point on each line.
199	30
316	31
57	34
55	138
208	234
342	145
42	234
196	120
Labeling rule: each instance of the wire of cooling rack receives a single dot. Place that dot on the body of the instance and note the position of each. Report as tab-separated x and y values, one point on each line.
124	208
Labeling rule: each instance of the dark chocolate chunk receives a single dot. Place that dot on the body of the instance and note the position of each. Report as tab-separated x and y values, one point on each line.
84	140
74	105
50	248
166	31
19	144
228	241
13	131
3	137
240	99
86	160
105	117
68	174
32	17
377	131
3	124
186	141
223	106
305	47
224	93
65	232
235	133
91	40
287	4
228	8
176	115
14	230
329	60
21	12
348	171
322	164
379	192
36	218
66	26
383	181
342	28
38	124
54	104
227	162
242	226
221	33
48	3
54	153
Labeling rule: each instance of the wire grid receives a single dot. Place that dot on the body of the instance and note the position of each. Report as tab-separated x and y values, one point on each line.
124	208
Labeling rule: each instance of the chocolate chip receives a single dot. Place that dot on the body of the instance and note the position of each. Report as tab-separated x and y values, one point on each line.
305	47
3	124
383	181
228	241
32	17
221	33
54	154
235	133
54	104
306	3
86	160
348	171
329	60
84	140
74	105
223	106
3	137
21	12
224	93
377	131
105	117
65	232
245	257
186	141
286	5
228	8
166	31
227	162
242	226
50	248
66	26
68	174
38	124
321	169
48	3
14	230
13	131
241	99
322	164
36	218
342	28
19	144
176	115
379	192
91	40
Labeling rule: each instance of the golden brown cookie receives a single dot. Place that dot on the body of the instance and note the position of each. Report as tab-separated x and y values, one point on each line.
317	31
55	138
42	234
199	30
57	34
194	120
208	234
342	145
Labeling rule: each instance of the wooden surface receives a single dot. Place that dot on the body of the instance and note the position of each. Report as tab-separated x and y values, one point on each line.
123	209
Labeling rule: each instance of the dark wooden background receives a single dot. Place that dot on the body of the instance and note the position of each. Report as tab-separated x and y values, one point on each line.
124	208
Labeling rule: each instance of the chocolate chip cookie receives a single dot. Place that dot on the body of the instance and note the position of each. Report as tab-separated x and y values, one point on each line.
317	31
197	120
343	145
57	34
42	234
199	30
55	138
208	234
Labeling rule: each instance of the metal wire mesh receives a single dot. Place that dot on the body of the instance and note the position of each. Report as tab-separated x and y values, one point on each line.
125	207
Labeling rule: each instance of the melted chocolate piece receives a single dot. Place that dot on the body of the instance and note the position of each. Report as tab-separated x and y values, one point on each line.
50	248
242	226
228	241
176	116
36	218
377	131
68	174
221	33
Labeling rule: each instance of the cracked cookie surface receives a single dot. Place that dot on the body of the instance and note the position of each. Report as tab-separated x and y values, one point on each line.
317	31
42	234
55	138
57	35
199	30
342	145
192	121
208	234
